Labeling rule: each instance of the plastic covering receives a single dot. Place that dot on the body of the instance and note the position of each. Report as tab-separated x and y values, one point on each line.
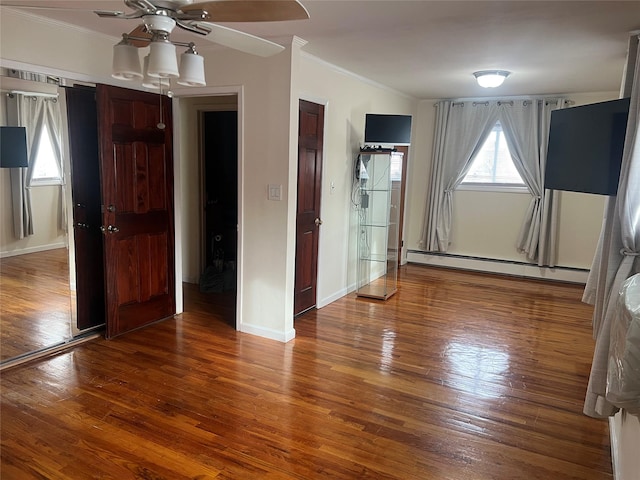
623	375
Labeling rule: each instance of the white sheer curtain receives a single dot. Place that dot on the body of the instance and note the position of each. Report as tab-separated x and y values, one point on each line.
461	129
53	119
618	254
525	124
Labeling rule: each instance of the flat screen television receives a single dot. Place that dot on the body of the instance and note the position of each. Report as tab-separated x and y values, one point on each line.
585	147
382	129
13	147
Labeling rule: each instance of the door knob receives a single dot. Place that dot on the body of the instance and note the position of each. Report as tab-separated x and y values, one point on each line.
109	229
318	222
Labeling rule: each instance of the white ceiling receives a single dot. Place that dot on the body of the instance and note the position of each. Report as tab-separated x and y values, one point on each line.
429	49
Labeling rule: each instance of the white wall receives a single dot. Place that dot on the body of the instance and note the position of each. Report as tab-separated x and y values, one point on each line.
486	224
81	53
347	99
625	441
265	304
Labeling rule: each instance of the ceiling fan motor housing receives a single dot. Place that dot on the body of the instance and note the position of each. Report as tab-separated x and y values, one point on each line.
159	23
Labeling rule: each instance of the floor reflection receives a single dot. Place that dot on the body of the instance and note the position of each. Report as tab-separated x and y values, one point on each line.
35	302
482	368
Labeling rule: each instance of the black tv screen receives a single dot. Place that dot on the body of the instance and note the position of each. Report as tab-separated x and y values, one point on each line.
585	147
13	147
387	129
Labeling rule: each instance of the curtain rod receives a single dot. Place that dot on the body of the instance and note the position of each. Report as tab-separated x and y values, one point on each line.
506	102
34	94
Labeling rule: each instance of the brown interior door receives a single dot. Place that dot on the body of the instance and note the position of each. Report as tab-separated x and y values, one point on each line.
310	133
137	201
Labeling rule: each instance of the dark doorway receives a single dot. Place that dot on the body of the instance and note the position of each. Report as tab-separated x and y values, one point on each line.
82	117
220	229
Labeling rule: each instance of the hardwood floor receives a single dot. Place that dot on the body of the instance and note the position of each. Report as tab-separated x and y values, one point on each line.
457	376
35	302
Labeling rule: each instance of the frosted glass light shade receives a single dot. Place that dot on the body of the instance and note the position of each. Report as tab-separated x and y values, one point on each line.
126	62
162	60
191	70
491	78
152	82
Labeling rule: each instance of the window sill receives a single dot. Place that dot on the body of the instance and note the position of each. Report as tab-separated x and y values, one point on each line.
493	187
46	182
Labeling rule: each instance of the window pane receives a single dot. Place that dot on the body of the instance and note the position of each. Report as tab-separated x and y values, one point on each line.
396	168
45	166
493	163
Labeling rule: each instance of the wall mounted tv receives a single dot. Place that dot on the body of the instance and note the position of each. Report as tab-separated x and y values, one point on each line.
381	129
585	147
13	147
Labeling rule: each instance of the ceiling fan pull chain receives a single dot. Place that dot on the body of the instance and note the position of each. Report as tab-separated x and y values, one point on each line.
161	125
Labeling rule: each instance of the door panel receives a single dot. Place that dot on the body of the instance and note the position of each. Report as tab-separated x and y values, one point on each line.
82	119
310	136
137	173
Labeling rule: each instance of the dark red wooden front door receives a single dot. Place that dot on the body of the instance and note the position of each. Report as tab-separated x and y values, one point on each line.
137	202
310	134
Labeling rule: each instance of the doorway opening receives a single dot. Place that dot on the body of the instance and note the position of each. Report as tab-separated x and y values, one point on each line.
218	127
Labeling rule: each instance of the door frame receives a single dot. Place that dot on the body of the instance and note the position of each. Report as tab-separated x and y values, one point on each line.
184	93
319	273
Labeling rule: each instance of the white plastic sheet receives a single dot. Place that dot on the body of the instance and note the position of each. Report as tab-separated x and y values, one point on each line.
623	375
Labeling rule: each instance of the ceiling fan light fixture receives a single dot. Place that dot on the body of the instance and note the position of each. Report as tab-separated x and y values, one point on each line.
162	60
126	61
491	78
152	82
191	68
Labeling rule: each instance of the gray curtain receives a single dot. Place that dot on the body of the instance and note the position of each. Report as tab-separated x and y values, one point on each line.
461	129
18	113
525	124
618	254
33	112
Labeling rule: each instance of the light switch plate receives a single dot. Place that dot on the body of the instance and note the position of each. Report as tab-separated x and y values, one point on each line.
274	192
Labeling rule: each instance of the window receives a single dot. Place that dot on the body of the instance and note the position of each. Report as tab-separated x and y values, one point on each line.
492	166
45	169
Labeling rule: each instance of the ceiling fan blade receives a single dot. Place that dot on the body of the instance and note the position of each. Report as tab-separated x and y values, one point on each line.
60	9
194	27
140	32
250	10
245	42
108	13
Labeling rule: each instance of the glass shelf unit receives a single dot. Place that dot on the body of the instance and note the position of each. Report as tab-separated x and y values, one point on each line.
378	183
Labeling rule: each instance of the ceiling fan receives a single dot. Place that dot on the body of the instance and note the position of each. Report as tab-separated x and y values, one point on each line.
160	17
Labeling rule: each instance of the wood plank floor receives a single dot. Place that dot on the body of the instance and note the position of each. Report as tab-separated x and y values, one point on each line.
35	302
457	376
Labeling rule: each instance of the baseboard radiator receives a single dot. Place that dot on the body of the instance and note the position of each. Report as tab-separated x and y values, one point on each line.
504	267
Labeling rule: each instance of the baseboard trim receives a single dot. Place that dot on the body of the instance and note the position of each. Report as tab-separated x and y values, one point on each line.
269	333
36	249
333	297
504	267
615	448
